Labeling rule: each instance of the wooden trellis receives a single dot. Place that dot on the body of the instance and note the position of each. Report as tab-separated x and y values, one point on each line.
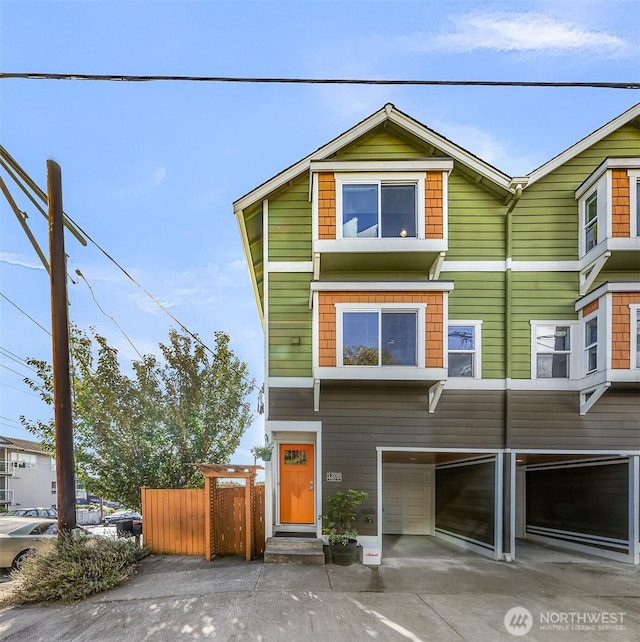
220	540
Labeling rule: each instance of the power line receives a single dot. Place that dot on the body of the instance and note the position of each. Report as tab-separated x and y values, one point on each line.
318	81
93	296
12	370
26	392
11	426
7	160
14	357
12	420
15	305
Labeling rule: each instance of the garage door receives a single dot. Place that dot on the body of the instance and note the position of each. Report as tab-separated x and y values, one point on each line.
407	498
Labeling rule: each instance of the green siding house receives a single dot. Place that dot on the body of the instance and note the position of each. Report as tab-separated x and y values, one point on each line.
462	345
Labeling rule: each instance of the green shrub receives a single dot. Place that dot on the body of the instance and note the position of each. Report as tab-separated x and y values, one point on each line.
67	569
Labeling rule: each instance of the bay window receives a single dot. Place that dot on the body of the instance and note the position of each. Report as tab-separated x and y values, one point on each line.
591	222
379	338
591	345
387	205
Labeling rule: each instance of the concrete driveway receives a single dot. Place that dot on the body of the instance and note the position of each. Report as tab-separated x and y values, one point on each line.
445	596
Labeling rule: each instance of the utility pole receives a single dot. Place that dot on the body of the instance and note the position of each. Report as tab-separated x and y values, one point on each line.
65	469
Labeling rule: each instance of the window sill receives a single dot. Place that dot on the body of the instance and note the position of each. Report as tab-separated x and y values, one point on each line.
380	245
373	373
609	244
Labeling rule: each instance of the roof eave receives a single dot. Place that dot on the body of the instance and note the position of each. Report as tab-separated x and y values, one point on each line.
388	112
584	143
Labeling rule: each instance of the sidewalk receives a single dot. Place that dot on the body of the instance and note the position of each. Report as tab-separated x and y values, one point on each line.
452	598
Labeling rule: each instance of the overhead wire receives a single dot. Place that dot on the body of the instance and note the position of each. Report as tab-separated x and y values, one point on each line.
316	81
7	159
93	296
26	392
20	374
15	305
14	357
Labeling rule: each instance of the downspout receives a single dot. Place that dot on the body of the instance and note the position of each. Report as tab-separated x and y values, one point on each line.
507	312
507	538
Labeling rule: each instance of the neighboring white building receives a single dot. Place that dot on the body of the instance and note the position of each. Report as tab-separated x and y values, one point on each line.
27	475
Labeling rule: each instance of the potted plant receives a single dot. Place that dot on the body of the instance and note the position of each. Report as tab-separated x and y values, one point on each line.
262	452
337	525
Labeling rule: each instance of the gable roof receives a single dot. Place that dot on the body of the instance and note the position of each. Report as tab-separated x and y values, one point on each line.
628	116
21	444
391	114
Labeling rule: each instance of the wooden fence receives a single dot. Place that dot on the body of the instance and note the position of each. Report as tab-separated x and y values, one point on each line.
174	521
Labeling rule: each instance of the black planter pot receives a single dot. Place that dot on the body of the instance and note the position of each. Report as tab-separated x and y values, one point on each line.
344	554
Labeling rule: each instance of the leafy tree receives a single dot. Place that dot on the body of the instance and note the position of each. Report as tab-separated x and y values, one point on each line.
148	428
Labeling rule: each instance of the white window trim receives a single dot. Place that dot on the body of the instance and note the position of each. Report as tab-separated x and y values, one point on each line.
477	352
583	221
634	312
377	178
603	189
583	346
576	336
420	308
634	180
31	464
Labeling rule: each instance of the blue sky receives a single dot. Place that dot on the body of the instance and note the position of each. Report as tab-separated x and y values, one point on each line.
150	170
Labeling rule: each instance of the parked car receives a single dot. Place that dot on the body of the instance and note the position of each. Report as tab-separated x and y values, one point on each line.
20	535
121	516
49	513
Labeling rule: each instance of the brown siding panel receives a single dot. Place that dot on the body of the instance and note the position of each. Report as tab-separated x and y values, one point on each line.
621	330
621	205
551	420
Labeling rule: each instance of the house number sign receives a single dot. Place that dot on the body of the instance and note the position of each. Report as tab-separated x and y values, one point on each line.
334	477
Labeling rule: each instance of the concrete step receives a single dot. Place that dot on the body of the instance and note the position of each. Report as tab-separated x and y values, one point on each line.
294	543
294	556
294	550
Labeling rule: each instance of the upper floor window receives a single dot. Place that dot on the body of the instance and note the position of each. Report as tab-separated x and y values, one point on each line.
591	222
22	460
379	338
463	344
380	335
591	345
552	350
374	205
379	210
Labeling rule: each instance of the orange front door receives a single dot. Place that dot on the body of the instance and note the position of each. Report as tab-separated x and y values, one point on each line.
296	484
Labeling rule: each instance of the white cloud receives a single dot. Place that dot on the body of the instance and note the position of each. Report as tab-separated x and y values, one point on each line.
516	32
193	286
21	260
486	146
146	304
146	185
